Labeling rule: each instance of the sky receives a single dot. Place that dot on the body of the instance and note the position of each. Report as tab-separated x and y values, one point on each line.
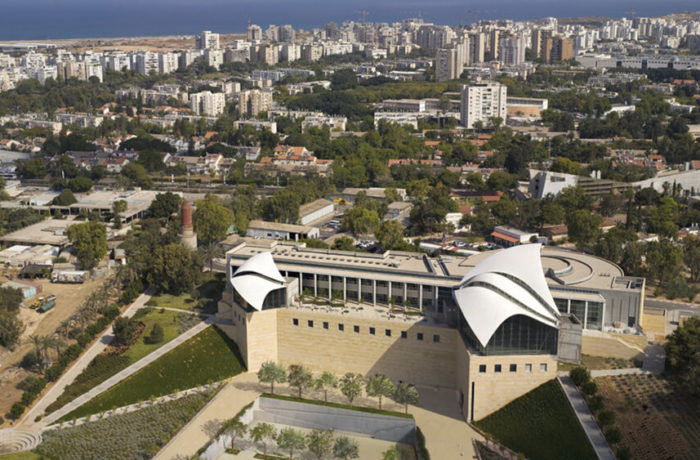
46	19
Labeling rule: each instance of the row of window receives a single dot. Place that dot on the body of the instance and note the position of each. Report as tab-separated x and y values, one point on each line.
497	368
372	330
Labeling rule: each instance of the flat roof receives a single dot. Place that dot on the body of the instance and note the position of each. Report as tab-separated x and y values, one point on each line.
564	269
276	226
308	208
50	231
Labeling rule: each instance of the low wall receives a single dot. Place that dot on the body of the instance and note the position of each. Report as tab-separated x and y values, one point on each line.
384	427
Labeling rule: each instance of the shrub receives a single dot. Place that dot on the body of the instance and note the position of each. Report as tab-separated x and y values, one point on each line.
29	360
420	441
590	388
580	375
624	453
606	417
17	410
596	403
613	435
28	398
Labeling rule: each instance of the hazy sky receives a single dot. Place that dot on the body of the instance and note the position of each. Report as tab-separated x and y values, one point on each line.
25	19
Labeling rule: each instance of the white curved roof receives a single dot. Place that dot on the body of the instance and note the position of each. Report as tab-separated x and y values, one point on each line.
256	278
508	283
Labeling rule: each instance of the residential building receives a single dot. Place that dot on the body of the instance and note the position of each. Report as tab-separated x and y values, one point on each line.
481	102
254	33
207	40
558	49
167	62
207	103
254	101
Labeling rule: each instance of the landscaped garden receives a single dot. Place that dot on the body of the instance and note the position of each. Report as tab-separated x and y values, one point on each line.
541	425
138	434
600	362
208	357
656	418
204	297
114	359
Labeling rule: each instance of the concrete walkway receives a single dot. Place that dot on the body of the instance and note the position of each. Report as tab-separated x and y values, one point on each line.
124	373
655	359
79	365
585	417
236	394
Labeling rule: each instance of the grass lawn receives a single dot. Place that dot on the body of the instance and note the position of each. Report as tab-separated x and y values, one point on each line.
541	425
599	362
106	365
26	455
208	357
208	295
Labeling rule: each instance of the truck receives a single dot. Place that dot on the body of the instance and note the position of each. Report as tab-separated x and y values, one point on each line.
69	276
45	304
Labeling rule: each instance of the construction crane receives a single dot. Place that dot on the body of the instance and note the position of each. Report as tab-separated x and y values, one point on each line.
476	15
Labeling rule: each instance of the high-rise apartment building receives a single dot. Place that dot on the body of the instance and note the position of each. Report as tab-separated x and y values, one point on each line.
482	101
207	40
207	103
446	65
254	101
214	58
146	62
286	33
511	50
311	53
477	47
558	49
71	69
167	62
254	33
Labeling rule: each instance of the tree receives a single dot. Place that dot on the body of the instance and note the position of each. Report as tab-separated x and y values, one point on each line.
212	219
683	355
263	432
324	382
406	394
378	386
691	255
319	442
346	448
390	235
156	335
209	252
271	372
65	198
165	205
351	386
299	377
17	410
10	299
124	330
580	375
583	227
502	181
119	207
360	220
236	429
663	260
291	440
89	240
175	269
11	329
344	243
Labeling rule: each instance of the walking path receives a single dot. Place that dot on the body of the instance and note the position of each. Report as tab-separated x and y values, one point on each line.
79	365
655	358
124	373
585	417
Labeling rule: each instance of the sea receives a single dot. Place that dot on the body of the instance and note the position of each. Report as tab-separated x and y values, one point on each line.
62	19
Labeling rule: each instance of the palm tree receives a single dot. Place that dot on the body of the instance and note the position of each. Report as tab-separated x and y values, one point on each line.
209	252
64	328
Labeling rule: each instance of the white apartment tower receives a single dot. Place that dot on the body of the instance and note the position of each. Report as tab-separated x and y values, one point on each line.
207	40
511	50
146	62
167	62
254	33
207	103
254	101
482	101
446	66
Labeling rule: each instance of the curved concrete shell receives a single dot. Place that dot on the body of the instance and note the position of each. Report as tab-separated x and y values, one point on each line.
508	283
256	278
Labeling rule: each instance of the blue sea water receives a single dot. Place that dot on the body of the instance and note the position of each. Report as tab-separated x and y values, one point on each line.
47	19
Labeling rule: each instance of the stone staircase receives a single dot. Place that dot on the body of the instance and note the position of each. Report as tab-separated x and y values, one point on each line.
15	440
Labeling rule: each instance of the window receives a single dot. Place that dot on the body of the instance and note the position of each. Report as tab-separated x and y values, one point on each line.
371	331
387	332
497	368
436	338
420	336
356	329
543	367
404	334
482	368
325	324
528	367
311	323
341	327
514	368
295	321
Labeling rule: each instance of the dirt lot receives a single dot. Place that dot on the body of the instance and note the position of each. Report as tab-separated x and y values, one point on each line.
68	298
656	420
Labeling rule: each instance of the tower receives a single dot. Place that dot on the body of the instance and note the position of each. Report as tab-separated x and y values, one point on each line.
188	237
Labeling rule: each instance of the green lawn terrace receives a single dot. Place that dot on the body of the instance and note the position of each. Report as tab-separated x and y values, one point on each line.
541	425
208	357
112	361
204	298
